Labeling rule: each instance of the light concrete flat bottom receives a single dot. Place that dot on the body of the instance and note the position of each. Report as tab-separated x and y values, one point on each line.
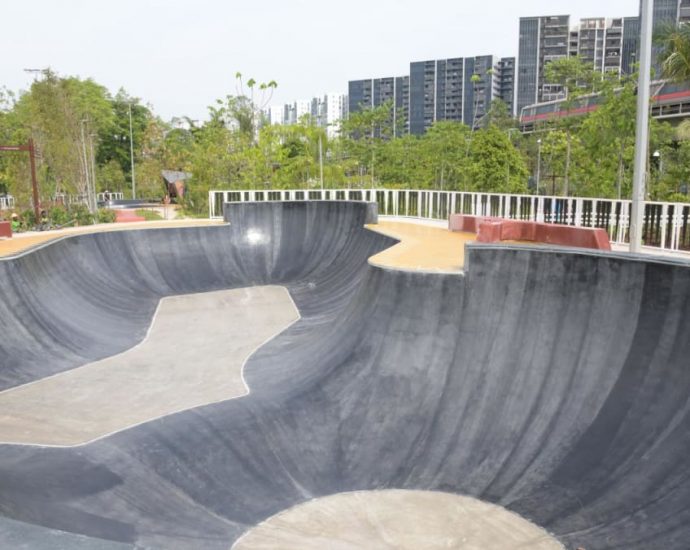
193	355
396	519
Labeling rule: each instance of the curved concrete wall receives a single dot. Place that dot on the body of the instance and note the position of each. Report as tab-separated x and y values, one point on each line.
553	383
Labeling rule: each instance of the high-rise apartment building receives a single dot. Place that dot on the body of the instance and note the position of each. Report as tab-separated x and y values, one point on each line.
275	115
667	12
332	110
436	92
608	45
631	44
326	111
373	92
504	88
542	40
459	89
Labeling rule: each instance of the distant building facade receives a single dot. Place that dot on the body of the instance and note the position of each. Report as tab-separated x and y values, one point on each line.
504	87
542	40
326	111
374	92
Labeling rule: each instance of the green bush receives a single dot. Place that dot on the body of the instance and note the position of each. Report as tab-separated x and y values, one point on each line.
676	197
148	215
81	214
105	215
59	216
28	219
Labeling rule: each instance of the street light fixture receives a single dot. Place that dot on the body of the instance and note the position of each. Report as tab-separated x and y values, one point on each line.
660	160
131	152
538	164
642	126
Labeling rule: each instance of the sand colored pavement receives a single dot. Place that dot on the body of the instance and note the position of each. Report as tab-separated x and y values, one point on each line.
193	355
422	247
22	242
396	519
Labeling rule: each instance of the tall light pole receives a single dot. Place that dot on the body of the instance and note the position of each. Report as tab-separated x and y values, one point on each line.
660	159
538	164
85	160
94	192
321	160
320	153
642	130
131	152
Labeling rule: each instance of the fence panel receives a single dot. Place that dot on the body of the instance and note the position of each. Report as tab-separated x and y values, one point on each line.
666	225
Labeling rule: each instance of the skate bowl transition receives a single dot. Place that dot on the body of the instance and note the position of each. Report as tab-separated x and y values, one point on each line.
542	395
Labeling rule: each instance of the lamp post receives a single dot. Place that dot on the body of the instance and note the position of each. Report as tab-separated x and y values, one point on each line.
320	153
131	152
660	160
538	164
87	168
642	128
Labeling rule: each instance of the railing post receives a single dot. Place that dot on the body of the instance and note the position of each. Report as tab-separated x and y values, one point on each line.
540	209
677	224
664	223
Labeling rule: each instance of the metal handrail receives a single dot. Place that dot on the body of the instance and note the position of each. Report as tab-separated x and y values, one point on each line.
666	224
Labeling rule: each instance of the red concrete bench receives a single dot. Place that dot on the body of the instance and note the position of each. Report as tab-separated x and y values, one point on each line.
490	230
5	229
467	224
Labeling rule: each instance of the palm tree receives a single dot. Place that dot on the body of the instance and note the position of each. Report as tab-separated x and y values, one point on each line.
674	43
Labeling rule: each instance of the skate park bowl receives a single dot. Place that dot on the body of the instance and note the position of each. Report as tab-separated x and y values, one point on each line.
540	398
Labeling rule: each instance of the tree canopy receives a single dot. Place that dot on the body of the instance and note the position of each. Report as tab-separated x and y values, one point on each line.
82	130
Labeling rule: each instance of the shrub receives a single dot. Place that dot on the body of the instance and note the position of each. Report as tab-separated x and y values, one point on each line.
81	214
148	215
59	216
105	215
28	219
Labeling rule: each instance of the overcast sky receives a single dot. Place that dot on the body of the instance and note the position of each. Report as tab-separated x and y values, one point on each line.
180	55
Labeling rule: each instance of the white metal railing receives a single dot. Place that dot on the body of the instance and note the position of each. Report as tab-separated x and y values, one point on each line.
110	196
83	198
666	224
6	202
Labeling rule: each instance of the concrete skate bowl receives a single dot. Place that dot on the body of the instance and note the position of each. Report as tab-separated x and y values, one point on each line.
553	384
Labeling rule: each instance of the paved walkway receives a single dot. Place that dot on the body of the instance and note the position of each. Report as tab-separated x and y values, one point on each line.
193	355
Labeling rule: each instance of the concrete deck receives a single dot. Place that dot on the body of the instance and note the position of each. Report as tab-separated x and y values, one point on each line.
21	242
422	247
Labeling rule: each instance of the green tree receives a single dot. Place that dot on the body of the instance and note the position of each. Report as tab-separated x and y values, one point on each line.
608	135
443	152
576	78
364	132
114	137
495	164
674	43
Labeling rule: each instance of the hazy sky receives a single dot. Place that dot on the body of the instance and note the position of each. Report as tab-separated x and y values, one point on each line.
181	55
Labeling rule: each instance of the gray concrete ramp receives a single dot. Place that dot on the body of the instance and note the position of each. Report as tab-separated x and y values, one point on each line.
550	383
